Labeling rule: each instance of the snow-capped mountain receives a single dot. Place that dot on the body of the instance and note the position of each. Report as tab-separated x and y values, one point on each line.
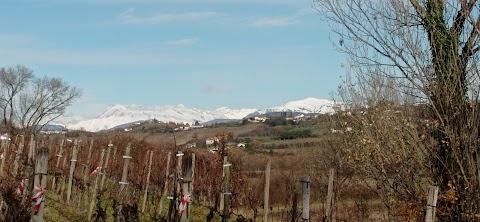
308	105
116	115
120	114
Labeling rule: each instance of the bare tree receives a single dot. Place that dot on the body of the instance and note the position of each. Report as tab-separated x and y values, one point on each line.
12	81
221	140
429	49
28	102
386	146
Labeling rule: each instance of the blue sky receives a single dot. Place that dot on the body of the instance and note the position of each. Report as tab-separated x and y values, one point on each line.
201	53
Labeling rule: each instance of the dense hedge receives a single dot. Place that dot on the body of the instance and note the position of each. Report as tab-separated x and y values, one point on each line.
296	133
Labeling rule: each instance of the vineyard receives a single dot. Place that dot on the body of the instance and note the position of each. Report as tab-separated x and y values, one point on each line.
117	177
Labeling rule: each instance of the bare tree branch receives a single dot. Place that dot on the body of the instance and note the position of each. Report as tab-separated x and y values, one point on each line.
28	102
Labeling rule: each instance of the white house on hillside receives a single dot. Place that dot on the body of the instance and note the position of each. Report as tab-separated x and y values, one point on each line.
257	119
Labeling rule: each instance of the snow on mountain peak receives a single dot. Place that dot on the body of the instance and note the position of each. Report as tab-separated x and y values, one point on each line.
227	113
113	110
115	115
310	104
307	105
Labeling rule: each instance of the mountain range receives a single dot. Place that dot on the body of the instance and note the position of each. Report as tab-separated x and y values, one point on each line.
115	115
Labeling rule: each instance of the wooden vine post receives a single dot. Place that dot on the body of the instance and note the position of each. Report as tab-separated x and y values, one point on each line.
5	143
123	183
329	214
58	156
31	151
18	155
84	192
431	204
95	173
61	189
86	166
225	161
114	179
40	183
126	159
172	209
266	196
179	178
147	182
186	192
193	173
179	170
192	180
306	199
73	161
29	167
165	187
105	166
226	193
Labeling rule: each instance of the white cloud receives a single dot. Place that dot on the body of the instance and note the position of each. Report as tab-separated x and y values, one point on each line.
274	22
128	17
181	42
